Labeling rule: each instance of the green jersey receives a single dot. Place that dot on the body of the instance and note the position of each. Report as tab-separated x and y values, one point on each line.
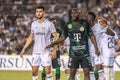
78	33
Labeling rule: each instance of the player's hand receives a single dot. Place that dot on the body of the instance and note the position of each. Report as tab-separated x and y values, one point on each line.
53	54
21	53
63	47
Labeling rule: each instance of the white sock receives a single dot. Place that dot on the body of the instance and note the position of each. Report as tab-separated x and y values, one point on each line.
112	74
78	77
34	77
92	76
68	75
49	76
101	75
107	73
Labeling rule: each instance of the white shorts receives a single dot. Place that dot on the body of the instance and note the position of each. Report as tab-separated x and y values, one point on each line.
92	61
92	57
43	59
98	60
108	61
64	62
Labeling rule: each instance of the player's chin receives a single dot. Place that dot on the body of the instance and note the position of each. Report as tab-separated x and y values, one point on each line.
74	18
39	17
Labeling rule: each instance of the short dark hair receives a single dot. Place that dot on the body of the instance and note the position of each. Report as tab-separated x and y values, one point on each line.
92	14
52	19
40	7
75	9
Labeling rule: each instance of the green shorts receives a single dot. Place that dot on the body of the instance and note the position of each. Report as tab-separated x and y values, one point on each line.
75	62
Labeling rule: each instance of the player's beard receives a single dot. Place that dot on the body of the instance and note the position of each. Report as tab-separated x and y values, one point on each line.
76	19
39	17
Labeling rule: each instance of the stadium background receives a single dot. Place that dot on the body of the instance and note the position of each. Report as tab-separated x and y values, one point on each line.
17	15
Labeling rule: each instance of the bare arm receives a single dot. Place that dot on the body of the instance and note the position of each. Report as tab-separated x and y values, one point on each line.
59	40
28	42
116	54
53	53
118	42
55	35
93	40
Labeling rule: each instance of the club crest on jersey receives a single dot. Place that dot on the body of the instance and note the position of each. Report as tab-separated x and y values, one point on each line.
43	27
69	26
82	28
35	27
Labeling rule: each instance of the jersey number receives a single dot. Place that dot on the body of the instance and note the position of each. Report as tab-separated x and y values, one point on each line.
110	42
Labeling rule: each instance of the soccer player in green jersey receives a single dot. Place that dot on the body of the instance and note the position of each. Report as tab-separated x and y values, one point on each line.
78	31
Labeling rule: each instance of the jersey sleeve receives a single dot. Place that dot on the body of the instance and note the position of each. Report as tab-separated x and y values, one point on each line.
89	30
32	28
116	36
52	28
65	31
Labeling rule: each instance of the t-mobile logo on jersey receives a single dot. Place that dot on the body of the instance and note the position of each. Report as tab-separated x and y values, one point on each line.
77	36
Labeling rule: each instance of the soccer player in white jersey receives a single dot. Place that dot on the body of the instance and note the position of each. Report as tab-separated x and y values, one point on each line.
65	60
66	45
108	51
41	29
95	59
92	56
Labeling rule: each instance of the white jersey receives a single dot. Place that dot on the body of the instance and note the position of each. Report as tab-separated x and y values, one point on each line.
67	43
91	48
108	45
98	30
42	32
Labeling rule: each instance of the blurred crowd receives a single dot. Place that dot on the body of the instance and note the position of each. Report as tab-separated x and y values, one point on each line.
111	11
16	17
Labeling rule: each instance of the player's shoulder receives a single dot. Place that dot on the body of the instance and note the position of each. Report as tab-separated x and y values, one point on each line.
80	20
83	20
96	25
70	22
48	22
34	21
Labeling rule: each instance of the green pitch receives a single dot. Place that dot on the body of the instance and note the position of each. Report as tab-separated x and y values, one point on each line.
26	75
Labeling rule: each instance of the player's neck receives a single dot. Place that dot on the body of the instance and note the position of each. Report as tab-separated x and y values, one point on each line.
92	24
75	21
41	20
